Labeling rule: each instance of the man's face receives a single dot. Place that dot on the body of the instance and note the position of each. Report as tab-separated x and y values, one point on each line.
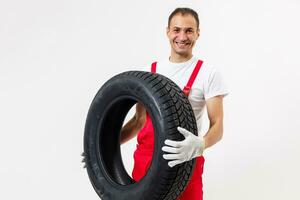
182	34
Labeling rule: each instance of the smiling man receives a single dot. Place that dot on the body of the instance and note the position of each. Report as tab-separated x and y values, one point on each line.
183	33
204	87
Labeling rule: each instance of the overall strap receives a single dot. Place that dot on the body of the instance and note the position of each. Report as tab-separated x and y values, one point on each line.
193	76
153	67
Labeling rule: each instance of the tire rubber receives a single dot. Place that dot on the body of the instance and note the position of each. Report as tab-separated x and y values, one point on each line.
168	107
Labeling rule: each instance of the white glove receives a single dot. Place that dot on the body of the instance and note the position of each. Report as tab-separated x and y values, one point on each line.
181	151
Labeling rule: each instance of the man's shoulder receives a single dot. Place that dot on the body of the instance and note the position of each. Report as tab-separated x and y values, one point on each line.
207	72
147	67
208	66
161	61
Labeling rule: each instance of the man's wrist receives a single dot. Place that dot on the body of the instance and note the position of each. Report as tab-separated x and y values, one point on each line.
201	146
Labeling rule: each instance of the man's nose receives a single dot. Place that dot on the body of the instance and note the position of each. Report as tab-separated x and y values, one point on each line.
182	35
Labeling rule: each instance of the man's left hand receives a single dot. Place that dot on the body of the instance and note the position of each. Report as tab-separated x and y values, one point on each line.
181	151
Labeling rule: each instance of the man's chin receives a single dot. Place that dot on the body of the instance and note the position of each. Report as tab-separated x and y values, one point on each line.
182	52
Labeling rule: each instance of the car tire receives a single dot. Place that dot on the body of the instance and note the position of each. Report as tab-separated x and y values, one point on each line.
168	108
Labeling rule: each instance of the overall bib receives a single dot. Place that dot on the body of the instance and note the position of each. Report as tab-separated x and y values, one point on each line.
143	153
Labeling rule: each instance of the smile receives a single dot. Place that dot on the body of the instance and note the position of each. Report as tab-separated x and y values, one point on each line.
182	44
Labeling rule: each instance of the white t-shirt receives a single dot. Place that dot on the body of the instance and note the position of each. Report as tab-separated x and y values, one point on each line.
208	83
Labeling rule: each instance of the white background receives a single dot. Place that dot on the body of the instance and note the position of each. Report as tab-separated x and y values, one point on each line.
55	55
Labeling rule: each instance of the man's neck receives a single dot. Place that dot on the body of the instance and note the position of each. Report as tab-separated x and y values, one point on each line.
175	58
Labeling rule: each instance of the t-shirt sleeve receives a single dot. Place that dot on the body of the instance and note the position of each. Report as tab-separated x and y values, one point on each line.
215	85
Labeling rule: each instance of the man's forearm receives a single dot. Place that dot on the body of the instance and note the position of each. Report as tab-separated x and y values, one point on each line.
214	134
129	130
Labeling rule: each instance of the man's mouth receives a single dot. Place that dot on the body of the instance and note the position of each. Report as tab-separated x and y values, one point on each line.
183	44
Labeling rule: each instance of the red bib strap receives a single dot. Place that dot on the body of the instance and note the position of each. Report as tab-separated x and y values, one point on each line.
193	76
189	85
153	67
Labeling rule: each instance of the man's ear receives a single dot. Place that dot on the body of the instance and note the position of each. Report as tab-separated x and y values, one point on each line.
198	33
167	30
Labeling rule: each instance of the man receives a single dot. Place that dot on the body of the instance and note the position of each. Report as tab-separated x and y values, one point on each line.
207	90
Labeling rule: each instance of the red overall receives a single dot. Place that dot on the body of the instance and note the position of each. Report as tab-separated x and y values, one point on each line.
143	153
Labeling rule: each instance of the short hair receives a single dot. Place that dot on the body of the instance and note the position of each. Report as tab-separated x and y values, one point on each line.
184	11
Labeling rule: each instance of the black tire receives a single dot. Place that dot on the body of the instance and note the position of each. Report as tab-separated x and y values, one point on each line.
168	108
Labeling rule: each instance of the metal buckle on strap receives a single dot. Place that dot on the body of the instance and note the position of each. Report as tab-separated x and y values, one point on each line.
186	90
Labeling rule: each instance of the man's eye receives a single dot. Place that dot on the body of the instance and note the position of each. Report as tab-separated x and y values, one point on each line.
176	30
189	31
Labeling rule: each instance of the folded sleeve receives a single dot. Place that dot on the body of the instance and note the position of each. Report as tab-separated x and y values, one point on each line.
215	85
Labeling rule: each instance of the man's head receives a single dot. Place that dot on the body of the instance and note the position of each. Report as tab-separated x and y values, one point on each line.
183	31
